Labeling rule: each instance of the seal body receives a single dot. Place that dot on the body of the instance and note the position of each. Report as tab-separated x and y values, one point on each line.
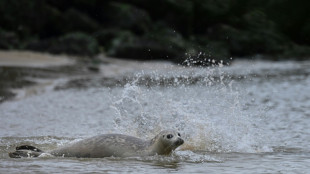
104	146
108	145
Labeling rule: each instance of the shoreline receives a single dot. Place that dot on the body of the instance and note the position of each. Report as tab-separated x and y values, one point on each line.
32	59
20	71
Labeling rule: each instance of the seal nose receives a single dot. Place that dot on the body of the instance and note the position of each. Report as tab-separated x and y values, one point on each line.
180	141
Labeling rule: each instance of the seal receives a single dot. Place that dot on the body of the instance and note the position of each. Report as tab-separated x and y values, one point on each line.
108	145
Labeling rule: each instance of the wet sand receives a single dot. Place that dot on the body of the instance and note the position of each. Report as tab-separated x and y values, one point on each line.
32	59
23	70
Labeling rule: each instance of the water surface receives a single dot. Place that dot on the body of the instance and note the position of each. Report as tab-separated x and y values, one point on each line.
250	117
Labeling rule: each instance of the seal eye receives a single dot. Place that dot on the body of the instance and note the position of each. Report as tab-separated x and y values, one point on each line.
179	134
169	136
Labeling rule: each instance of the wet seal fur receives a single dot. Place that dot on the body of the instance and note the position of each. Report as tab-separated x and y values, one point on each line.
107	145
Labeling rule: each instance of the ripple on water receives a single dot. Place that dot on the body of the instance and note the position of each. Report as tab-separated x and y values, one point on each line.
232	126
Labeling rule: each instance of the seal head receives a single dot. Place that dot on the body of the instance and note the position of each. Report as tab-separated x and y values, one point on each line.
166	142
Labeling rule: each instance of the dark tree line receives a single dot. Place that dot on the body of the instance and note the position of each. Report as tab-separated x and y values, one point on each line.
158	29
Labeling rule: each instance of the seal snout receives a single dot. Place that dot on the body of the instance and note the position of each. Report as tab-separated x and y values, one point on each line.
179	142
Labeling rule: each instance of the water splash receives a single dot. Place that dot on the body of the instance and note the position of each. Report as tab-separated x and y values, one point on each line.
204	104
210	114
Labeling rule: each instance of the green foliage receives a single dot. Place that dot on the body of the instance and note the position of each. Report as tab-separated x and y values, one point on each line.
8	40
169	28
129	17
76	44
77	21
165	45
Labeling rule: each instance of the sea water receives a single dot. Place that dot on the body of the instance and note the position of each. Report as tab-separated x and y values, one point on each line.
250	117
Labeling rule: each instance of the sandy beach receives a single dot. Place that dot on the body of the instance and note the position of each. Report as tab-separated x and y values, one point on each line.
32	59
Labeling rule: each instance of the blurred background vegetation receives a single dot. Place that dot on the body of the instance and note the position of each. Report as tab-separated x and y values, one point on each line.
159	29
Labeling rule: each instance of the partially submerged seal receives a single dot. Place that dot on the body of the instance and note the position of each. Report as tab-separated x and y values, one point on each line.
108	145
